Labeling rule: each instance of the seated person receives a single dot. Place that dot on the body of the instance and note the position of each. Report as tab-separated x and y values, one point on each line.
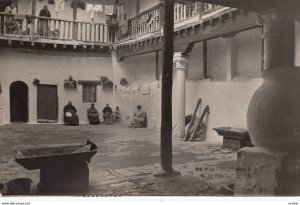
138	117
93	115
107	112
70	116
117	114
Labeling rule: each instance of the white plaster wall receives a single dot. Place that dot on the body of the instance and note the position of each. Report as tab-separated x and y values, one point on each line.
139	70
228	102
52	68
248	53
216	58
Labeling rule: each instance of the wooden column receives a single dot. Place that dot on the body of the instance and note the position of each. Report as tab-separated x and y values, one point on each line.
137	7
167	81
157	65
75	25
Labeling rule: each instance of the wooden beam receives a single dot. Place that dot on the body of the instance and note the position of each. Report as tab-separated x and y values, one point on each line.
219	29
166	93
75	24
137	7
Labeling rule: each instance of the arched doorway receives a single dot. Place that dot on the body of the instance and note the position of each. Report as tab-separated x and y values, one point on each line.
18	102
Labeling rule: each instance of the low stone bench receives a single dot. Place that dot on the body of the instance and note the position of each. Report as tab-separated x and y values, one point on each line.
234	138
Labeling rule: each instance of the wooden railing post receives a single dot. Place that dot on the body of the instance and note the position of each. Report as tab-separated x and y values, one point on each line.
33	13
75	24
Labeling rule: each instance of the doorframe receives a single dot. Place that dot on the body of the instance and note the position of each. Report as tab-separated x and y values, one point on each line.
27	102
37	105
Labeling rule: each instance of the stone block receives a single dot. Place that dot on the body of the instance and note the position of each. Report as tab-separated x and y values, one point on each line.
256	172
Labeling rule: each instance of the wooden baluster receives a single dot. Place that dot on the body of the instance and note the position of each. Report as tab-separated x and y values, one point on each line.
69	25
106	34
4	27
91	31
55	24
99	33
184	12
59	28
44	27
103	28
175	12
86	34
25	25
95	32
64	31
33	13
81	28
1	21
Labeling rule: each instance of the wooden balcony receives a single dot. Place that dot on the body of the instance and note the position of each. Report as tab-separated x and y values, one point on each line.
40	30
141	34
150	21
192	23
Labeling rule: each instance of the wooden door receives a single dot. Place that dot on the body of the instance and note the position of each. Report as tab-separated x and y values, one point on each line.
47	103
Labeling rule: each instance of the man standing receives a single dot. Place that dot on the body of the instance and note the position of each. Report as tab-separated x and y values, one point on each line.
43	23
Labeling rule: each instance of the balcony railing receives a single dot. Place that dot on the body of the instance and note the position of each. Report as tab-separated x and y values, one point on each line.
150	21
55	29
146	23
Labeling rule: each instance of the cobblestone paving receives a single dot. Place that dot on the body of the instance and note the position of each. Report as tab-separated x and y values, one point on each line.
126	160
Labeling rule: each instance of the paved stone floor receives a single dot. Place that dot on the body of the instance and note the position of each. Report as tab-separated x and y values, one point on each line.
126	160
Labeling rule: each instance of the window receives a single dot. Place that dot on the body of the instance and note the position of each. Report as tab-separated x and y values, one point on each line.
89	94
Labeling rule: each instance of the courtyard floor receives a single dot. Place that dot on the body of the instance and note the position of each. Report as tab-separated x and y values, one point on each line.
126	160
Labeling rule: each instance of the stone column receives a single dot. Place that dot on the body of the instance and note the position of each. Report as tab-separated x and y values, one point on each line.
181	65
273	118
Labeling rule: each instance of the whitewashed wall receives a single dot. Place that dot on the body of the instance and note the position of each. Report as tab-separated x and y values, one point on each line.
52	68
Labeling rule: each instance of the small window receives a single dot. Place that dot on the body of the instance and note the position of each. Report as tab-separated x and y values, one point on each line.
89	94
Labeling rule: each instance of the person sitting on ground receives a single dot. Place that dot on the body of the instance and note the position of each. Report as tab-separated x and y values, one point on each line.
70	116
117	114
107	112
138	117
93	115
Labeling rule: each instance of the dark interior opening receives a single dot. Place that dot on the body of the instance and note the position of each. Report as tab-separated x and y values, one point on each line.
18	102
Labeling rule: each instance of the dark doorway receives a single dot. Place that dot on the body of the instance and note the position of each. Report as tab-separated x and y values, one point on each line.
47	103
18	102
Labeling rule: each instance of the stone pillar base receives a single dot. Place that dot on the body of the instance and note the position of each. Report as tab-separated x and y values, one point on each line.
261	172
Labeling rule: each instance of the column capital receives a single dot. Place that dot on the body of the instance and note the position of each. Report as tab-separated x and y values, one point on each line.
181	60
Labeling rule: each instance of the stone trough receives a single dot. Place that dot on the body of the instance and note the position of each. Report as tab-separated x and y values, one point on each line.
63	169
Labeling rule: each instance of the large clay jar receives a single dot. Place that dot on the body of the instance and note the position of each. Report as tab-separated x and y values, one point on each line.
274	111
